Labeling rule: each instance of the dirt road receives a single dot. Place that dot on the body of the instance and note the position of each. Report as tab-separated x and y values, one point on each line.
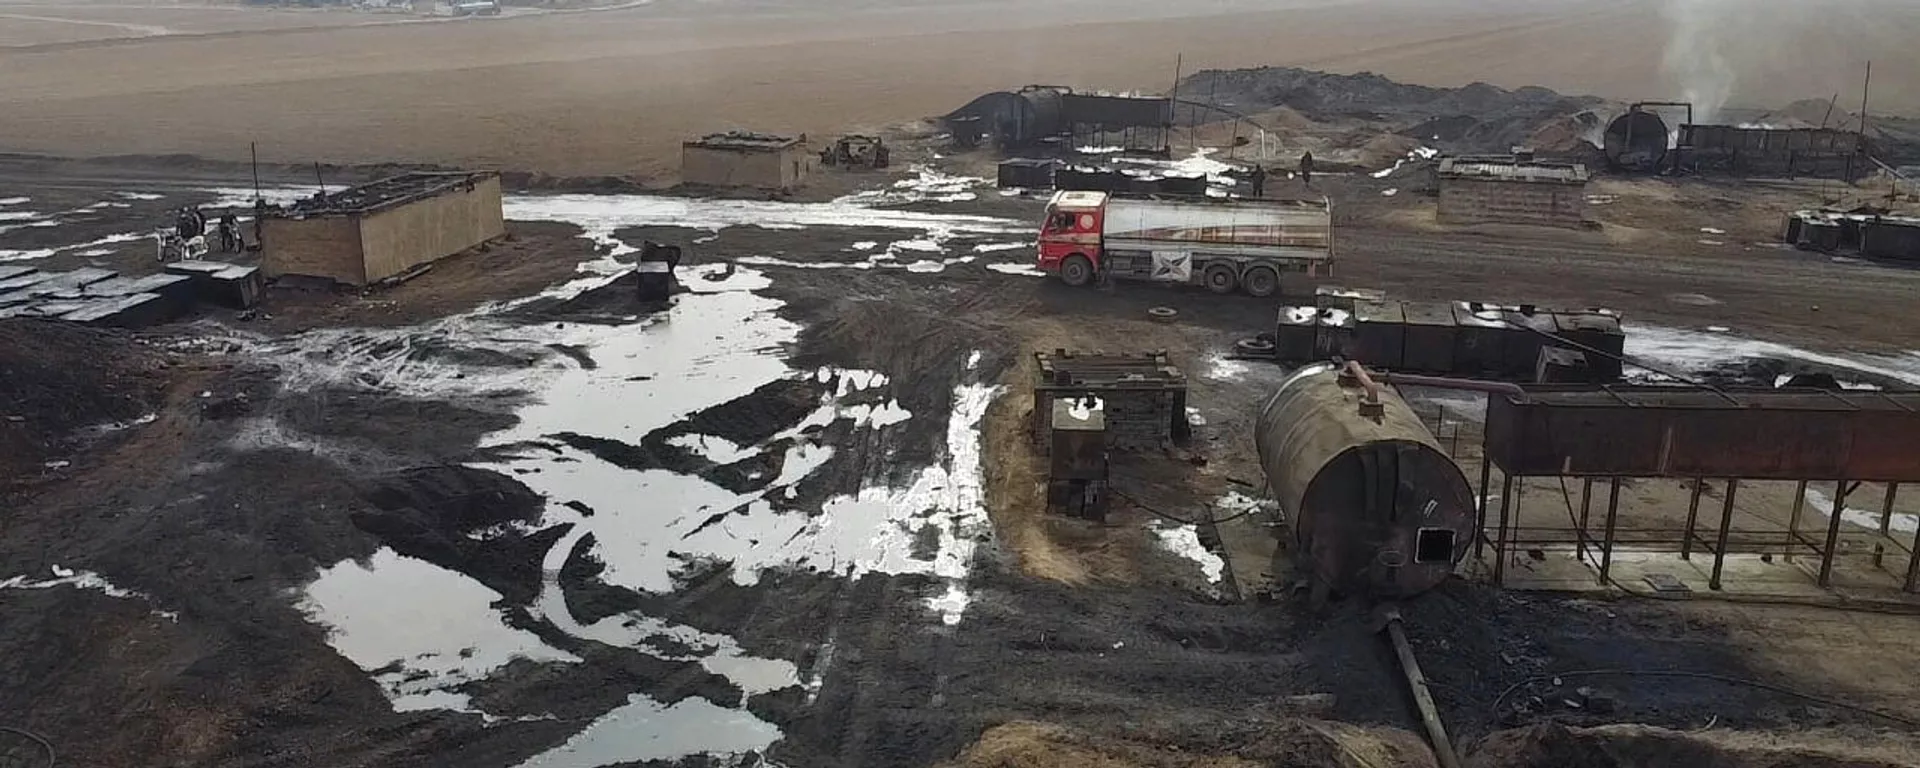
615	92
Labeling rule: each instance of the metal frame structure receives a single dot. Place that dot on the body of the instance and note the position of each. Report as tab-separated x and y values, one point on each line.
1615	433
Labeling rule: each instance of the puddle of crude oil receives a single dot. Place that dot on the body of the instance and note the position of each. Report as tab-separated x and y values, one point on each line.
421	629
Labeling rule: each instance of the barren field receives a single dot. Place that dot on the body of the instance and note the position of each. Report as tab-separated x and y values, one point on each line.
614	92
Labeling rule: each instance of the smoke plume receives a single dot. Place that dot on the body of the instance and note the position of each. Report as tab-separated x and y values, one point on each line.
1695	60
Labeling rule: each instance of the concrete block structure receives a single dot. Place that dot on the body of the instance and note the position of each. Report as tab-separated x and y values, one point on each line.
369	233
751	160
1512	190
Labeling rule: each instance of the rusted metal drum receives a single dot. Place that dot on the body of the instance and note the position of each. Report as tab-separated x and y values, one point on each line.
1636	140
1376	506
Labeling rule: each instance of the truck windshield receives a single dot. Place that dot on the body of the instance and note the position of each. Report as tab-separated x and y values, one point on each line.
1059	221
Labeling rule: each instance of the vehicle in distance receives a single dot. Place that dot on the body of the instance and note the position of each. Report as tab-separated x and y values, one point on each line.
1224	244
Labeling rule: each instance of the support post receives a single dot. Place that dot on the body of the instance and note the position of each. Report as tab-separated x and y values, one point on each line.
1500	541
1913	564
1693	515
1613	514
1720	545
1833	533
1586	508
1480	514
1793	520
1886	509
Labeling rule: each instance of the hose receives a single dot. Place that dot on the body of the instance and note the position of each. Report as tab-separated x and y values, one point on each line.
1157	513
45	745
1782	690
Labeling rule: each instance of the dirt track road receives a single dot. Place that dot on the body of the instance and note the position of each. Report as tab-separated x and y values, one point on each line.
614	92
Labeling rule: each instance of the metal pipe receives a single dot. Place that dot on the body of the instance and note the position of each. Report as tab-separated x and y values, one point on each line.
1726	522
1833	533
1422	696
1443	382
1693	515
1613	513
1354	370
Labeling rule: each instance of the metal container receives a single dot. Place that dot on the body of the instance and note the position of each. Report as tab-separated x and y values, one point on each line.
1479	346
1294	334
1430	338
1598	331
1375	504
1897	239
1521	351
1379	333
1334	336
1078	448
1636	140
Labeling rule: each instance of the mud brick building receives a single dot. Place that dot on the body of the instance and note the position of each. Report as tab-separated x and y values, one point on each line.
753	160
368	233
1512	190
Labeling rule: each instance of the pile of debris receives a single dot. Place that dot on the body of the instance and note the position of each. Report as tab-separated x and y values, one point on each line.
103	297
1474	119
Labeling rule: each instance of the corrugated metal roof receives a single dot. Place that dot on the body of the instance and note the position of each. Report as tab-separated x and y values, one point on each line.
1510	170
744	140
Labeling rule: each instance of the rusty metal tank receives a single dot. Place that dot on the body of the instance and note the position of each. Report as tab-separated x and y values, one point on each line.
1636	140
1376	506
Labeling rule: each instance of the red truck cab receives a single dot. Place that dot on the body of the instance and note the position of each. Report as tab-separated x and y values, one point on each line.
1070	236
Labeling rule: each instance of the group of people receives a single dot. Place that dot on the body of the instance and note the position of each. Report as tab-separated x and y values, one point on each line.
191	222
1257	178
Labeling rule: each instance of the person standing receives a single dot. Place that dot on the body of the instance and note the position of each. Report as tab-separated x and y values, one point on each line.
1306	168
1259	179
230	241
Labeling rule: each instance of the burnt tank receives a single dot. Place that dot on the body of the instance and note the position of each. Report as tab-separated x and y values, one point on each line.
1376	506
1636	141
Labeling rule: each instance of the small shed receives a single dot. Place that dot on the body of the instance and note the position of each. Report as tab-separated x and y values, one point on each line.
753	160
366	234
1514	189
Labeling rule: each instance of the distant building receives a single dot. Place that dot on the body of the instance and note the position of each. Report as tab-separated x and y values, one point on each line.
1514	189
368	233
754	160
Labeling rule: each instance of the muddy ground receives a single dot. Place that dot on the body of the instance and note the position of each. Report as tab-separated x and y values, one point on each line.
284	446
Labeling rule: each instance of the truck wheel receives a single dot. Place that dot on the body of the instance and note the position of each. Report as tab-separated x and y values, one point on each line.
1261	282
1076	271
1221	279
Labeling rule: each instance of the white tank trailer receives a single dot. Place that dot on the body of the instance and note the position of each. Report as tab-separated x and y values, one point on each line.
1377	508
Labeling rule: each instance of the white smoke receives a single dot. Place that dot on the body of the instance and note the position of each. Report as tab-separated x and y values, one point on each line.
1695	60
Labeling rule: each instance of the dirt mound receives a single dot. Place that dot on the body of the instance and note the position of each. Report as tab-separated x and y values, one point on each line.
1629	746
56	378
1281	744
1477	118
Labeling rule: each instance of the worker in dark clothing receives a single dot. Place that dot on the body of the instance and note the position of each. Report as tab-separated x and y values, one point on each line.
1259	179
183	223
230	241
1306	168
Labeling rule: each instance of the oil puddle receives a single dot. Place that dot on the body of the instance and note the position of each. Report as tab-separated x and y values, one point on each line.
644	729
420	630
1693	352
68	577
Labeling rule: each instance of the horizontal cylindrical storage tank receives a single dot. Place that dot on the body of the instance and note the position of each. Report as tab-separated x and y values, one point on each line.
1376	507
1636	140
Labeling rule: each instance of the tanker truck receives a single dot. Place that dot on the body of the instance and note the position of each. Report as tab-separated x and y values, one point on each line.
1224	244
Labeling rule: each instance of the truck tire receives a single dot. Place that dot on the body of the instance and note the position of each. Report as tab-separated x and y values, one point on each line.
1261	282
1076	271
1220	278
